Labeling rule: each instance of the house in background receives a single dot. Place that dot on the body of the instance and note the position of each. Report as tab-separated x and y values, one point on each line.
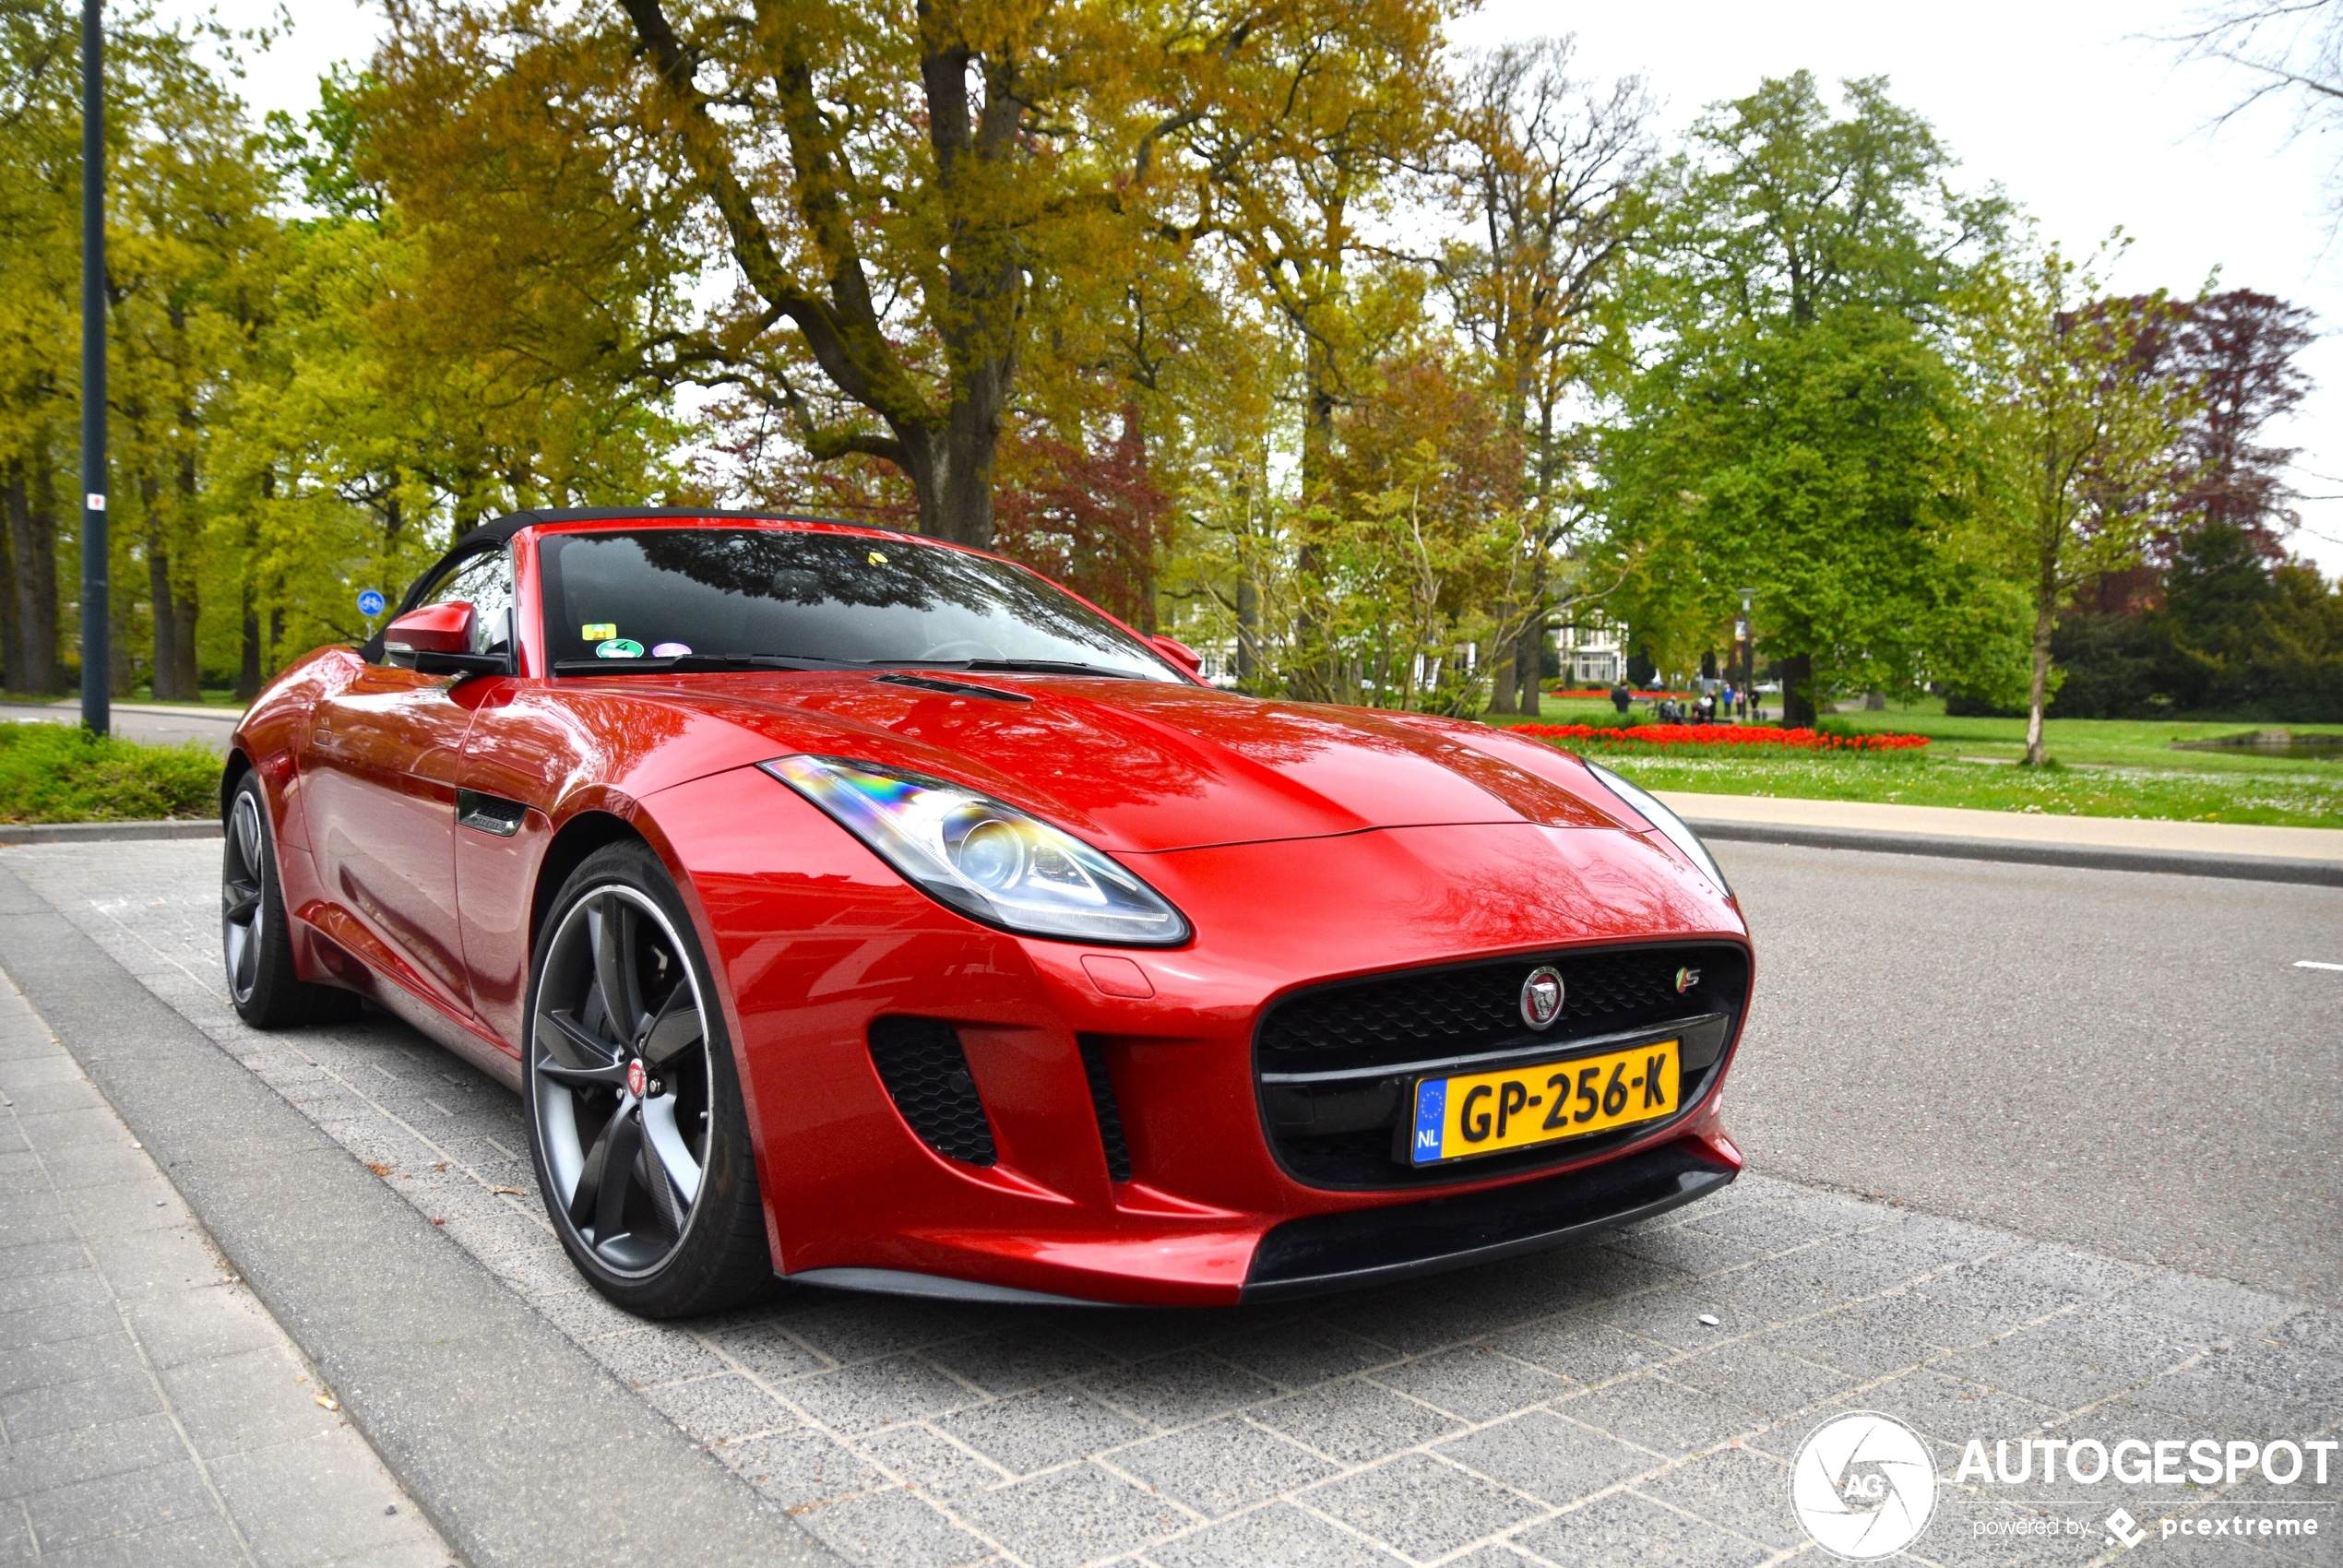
1593	654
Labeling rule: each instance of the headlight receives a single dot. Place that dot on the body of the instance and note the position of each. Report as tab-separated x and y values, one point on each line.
1667	822
988	861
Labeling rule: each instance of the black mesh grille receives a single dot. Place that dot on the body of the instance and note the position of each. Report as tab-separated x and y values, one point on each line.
1118	1153
1455	1011
1342	1132
926	1074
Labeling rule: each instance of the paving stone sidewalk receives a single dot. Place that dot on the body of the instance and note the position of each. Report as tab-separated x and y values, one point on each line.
1635	1401
151	1411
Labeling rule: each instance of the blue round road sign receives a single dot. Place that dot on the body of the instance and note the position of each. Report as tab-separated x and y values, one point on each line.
370	603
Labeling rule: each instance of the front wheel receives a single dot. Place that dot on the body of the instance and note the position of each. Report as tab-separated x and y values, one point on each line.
635	1109
255	937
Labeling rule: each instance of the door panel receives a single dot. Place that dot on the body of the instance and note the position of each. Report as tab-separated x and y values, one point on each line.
524	749
379	767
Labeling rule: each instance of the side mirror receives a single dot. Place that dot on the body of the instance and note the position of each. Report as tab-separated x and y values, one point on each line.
437	640
1180	654
435	628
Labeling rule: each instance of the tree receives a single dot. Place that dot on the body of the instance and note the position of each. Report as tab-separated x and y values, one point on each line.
2239	351
1546	173
2291	50
1782	429
2081	453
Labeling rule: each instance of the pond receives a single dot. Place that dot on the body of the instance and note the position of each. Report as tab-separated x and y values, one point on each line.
2272	743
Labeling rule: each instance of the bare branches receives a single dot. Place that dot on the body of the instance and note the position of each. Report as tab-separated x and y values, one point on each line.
2289	49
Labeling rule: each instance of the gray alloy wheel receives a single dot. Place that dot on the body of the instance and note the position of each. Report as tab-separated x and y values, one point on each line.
243	874
620	1074
256	938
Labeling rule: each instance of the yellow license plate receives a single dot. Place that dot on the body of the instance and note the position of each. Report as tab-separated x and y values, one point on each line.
1516	1107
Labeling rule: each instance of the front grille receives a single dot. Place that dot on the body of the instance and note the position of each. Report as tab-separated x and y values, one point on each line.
1473	1007
926	1074
1343	1133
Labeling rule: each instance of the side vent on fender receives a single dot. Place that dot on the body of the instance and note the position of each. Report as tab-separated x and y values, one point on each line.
926	1074
1118	1152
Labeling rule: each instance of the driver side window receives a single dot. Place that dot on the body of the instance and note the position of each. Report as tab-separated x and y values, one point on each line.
485	582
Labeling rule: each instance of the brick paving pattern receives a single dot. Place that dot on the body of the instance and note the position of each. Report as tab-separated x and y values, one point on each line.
151	1411
1634	1401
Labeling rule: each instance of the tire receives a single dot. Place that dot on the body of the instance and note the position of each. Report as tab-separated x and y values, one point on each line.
636	1117
255	937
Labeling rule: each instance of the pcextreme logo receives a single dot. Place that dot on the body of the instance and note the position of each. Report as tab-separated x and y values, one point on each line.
1863	1486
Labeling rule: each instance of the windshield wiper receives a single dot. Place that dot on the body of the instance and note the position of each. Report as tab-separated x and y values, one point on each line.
1034	666
693	664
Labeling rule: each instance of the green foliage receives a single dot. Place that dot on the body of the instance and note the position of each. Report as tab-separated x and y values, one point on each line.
61	773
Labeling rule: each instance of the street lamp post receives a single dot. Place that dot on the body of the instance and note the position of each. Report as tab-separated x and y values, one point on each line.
95	677
1749	656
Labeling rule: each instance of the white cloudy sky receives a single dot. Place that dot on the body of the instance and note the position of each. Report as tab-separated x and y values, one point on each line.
2071	105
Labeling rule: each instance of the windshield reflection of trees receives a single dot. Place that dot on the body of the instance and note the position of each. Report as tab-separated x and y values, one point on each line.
812	569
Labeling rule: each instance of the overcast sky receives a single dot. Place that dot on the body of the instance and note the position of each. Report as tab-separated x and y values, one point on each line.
2069	103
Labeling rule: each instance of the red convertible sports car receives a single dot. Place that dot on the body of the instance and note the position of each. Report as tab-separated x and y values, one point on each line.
868	911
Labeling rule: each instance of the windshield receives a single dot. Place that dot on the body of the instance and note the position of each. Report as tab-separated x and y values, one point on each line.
657	594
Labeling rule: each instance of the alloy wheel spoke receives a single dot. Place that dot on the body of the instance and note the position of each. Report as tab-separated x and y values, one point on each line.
618	1173
248	834
591	1051
611	924
661	1181
674	1156
241	899
676	1028
583	1196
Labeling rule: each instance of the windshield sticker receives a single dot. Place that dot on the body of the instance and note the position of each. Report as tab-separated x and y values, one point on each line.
618	648
877	559
670	650
598	631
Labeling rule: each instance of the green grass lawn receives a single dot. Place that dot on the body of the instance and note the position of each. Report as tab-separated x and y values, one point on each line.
59	773
2107	767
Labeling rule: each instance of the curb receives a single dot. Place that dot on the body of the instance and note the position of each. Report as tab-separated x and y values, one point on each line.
2085	857
105	832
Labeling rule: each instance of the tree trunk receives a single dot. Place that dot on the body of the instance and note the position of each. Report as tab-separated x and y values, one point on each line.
1502	684
1529	667
2037	691
1248	628
1798	691
32	548
162	608
12	495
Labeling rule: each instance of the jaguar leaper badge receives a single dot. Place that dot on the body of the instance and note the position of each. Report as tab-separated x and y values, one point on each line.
1541	996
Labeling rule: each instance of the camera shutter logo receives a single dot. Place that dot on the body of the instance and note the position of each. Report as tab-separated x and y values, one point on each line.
1863	1486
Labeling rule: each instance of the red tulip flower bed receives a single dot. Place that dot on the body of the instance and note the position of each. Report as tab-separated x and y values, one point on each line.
1722	736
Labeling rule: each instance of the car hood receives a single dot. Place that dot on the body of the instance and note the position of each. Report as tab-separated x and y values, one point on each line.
1145	766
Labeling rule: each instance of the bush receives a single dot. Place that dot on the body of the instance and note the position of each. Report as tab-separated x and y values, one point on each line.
61	773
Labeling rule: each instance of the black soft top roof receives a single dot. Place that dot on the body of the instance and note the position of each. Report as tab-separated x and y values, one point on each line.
497	530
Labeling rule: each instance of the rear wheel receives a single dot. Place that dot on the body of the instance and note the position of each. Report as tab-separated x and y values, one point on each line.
255	936
635	1109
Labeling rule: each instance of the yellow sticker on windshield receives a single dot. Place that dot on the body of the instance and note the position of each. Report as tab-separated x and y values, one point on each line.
598	631
877	559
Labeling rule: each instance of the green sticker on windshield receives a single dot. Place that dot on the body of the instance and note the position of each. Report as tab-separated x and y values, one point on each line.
619	648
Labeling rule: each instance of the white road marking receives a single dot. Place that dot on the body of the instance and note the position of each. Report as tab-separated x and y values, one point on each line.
2314	964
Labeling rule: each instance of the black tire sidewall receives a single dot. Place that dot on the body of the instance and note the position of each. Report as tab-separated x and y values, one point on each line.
696	1278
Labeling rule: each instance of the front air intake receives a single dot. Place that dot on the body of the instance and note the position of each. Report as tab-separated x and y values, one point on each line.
926	1074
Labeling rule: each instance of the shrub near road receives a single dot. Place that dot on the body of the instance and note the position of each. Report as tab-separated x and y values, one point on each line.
61	773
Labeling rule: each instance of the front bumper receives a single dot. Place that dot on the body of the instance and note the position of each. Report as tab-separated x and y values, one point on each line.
819	941
1337	1252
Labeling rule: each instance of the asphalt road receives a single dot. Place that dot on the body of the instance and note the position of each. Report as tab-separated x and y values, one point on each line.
155	724
2125	1061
